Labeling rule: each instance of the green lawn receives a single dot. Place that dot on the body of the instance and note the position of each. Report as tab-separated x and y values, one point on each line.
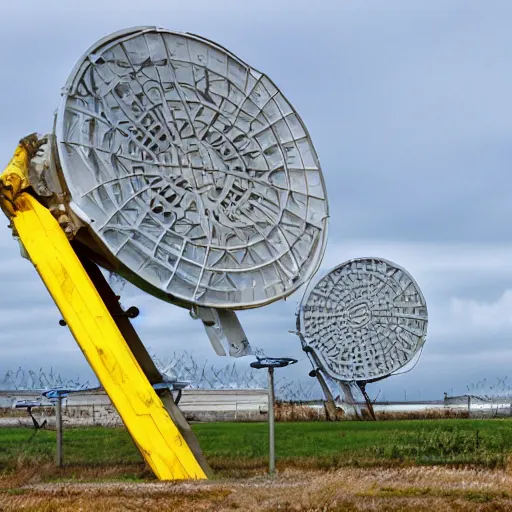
309	444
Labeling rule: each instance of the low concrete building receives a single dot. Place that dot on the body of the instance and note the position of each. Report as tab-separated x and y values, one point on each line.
90	408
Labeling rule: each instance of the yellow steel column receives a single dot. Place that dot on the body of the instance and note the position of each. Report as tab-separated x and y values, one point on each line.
143	413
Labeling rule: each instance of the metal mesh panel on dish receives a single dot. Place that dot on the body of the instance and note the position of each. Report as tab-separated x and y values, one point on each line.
192	167
365	319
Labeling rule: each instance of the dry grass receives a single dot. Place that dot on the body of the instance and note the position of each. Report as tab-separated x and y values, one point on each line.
40	412
400	489
285	411
427	414
288	411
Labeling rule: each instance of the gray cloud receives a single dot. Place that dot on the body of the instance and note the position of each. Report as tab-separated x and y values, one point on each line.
408	105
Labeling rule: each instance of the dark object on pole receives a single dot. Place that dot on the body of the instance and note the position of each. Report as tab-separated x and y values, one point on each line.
131	312
270	363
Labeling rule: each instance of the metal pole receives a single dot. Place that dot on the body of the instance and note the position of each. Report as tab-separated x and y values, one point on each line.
330	406
369	405
271	437
58	419
349	397
270	363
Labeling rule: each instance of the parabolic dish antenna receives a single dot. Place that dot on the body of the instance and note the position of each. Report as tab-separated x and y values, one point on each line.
364	320
191	170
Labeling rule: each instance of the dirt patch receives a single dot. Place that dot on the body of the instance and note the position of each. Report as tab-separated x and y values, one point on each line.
397	489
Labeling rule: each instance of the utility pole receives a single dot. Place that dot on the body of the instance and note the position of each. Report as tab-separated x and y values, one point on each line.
271	420
56	396
58	420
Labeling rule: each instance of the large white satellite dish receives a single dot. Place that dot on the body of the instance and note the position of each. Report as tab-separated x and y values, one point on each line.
364	320
194	176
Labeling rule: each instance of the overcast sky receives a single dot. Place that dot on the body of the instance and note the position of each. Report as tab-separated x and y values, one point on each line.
409	106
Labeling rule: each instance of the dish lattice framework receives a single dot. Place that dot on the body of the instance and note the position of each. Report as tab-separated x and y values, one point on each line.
192	168
365	319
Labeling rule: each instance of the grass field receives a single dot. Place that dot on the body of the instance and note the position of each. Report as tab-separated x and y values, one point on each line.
393	465
316	445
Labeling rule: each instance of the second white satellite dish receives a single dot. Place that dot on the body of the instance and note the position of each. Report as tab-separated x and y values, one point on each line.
364	320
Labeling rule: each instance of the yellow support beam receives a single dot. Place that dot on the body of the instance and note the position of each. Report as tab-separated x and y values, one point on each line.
142	411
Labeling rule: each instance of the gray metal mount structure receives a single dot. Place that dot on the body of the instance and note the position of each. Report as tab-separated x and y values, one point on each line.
362	322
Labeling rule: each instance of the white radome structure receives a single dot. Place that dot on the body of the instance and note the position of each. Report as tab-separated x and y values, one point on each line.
364	320
191	171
